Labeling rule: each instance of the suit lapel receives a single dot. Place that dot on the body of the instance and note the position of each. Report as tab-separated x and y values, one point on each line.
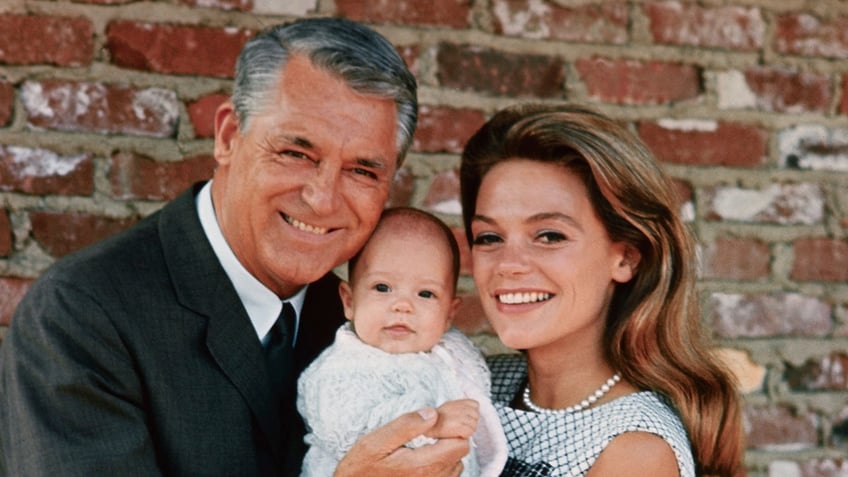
203	286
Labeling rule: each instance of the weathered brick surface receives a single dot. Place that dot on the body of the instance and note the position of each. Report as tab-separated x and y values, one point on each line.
12	290
809	468
445	129
814	147
820	259
807	34
685	199
705	142
138	177
777	203
39	171
827	373
61	233
484	70
176	49
749	375
778	426
34	39
734	315
450	13
736	258
7	102
730	27
100	108
5	233
600	23
268	7
840	431
638	82
843	107
787	91
202	114
443	195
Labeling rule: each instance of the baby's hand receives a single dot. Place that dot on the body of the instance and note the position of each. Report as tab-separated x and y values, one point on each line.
456	419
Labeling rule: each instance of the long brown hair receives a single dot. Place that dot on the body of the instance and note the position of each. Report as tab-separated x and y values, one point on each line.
653	334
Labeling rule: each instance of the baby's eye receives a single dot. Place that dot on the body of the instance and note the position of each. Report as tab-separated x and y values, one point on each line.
382	288
550	236
426	294
486	238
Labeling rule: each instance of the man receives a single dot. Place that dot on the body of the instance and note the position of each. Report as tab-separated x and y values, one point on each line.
143	354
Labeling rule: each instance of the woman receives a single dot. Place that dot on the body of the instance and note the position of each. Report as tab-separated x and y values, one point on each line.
584	265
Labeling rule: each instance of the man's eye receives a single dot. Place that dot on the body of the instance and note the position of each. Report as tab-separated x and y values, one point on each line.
295	154
486	238
364	172
382	287
426	294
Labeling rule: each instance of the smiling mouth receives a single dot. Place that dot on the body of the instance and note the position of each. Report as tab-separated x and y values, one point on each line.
522	298
304	226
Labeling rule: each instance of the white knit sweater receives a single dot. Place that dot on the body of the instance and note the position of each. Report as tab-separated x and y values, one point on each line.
353	388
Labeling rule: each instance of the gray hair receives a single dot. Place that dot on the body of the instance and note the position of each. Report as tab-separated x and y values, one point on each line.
363	58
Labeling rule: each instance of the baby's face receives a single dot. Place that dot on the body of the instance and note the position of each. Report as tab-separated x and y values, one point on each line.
402	299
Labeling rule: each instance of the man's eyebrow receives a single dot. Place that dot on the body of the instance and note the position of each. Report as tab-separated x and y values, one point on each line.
375	163
299	141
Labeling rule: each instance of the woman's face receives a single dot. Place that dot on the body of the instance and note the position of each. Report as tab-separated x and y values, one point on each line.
543	263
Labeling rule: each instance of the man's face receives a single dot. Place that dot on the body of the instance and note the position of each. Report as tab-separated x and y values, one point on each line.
299	192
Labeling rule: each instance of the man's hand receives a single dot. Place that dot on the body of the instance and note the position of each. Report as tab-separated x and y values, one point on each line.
381	453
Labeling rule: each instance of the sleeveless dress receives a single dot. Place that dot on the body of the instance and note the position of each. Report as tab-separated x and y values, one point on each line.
568	444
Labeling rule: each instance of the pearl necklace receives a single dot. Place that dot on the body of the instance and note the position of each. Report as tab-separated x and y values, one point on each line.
592	399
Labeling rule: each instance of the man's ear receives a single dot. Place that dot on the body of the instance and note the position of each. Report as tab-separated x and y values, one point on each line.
627	262
227	132
346	295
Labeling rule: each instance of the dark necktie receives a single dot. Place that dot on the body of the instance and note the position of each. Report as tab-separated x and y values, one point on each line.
279	353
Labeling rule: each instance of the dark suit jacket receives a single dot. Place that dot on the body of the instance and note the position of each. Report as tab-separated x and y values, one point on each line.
136	357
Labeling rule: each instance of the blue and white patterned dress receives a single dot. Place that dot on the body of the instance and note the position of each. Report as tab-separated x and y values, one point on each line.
568	444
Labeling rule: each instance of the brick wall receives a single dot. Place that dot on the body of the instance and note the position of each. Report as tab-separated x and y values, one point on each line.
106	112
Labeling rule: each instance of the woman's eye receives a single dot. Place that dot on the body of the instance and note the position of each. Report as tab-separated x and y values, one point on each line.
551	237
485	238
426	294
382	287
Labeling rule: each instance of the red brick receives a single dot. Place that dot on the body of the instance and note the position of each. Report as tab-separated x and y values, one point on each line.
759	316
202	114
402	189
451	13
238	5
444	129
42	172
138	177
107	2
12	290
777	426
831	467
843	107
464	250
29	40
470	317
5	233
638	82
61	233
443	195
604	23
483	70
737	259
820	259
783	91
730	27
101	108
176	49
410	55
785	204
829	373
725	144
840	432
7	102
807	35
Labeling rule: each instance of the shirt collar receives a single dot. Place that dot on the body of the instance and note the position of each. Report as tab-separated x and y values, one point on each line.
262	305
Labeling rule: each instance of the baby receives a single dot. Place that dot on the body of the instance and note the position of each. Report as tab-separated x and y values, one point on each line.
398	352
